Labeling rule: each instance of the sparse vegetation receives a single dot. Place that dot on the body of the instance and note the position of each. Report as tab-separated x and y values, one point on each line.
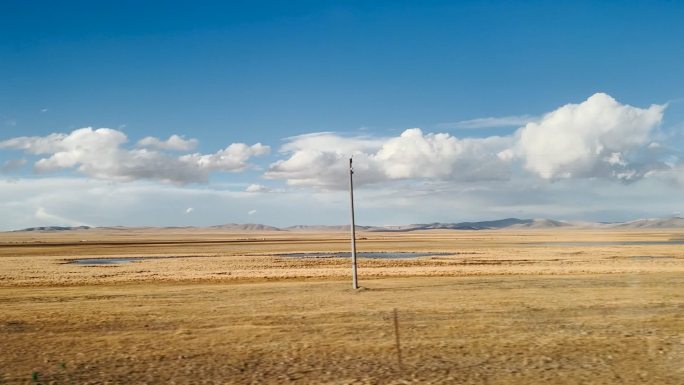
507	309
29	259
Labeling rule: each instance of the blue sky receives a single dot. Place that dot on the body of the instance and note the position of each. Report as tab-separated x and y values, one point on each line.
363	72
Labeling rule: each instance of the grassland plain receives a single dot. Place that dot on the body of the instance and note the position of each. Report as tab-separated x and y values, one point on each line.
498	307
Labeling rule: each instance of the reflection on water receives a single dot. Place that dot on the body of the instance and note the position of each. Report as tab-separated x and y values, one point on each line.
614	243
649	257
371	255
105	261
390	255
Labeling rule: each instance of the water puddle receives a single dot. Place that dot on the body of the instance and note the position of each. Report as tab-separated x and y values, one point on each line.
649	257
372	255
616	243
105	261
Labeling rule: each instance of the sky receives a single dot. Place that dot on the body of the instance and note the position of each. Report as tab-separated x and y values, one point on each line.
201	113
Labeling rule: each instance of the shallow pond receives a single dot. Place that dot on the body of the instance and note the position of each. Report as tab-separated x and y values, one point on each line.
614	243
105	261
649	257
375	255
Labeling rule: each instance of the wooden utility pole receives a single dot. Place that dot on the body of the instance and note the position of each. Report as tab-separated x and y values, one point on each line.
396	338
355	283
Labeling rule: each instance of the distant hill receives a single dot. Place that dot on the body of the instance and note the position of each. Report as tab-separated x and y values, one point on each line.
508	223
485	225
245	227
656	223
489	225
541	224
55	228
329	228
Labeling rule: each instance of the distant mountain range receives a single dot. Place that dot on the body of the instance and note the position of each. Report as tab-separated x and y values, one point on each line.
55	228
508	223
245	227
665	223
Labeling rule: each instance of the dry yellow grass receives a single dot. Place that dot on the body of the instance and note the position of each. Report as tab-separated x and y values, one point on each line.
501	308
42	259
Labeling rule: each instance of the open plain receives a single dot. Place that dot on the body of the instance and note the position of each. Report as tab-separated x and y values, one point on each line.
562	306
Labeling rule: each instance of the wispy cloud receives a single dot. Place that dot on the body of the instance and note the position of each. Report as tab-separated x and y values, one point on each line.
52	219
491	122
12	165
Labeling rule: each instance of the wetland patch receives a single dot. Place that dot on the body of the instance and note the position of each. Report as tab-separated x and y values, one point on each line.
613	243
371	255
105	261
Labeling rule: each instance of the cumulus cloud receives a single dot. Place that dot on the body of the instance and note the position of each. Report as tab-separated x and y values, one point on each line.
189	210
596	138
232	158
256	188
100	153
321	160
173	143
414	155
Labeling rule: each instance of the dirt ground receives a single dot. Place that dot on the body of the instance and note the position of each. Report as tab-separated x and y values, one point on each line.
499	307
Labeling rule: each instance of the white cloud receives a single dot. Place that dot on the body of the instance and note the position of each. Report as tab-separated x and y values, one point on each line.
596	138
145	203
232	158
140	203
12	165
189	210
256	188
331	142
415	155
49	219
321	160
251	212
418	176
491	122
173	143
100	154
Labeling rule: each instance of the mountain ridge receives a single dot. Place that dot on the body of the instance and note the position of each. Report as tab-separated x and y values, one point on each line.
500	224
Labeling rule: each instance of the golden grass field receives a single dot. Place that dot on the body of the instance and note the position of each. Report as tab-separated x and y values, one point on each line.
499	307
